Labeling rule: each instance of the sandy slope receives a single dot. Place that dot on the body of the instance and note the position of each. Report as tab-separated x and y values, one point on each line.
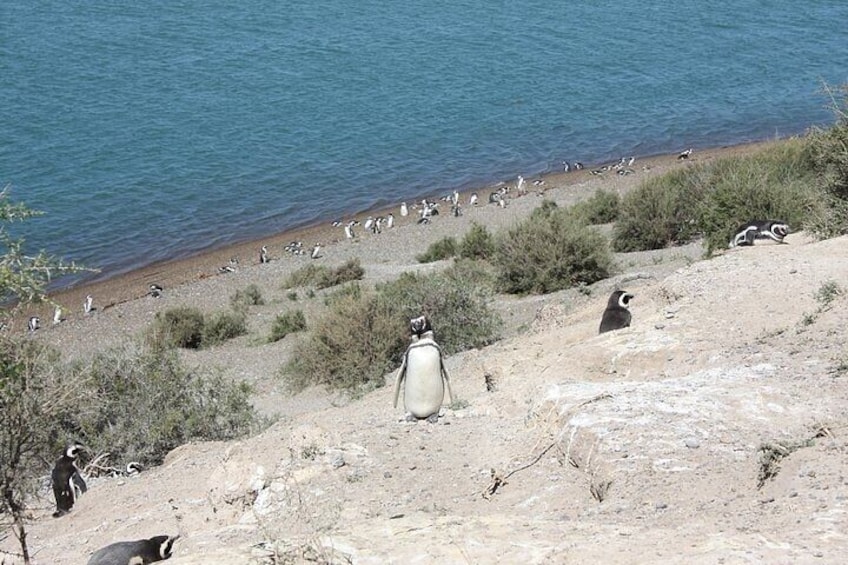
662	421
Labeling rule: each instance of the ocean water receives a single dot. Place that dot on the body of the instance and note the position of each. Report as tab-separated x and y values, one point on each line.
155	130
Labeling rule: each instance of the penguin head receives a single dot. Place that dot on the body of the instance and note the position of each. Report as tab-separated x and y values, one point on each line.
620	298
420	325
780	229
165	544
73	450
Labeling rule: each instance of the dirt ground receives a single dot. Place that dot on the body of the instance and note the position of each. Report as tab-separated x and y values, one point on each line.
713	430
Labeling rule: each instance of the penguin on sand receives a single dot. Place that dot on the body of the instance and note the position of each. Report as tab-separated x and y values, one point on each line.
141	552
423	374
617	315
67	479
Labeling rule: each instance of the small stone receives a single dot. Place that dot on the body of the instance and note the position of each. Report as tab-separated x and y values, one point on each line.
338	461
692	442
660	505
387	475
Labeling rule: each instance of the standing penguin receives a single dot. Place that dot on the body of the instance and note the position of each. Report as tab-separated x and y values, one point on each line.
67	479
425	375
617	315
141	552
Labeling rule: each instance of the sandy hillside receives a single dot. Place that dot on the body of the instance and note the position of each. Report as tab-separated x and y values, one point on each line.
644	445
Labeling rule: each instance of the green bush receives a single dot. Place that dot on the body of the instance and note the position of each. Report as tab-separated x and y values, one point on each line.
306	276
661	212
552	250
829	153
321	276
478	243
774	184
600	208
351	270
444	248
143	402
286	323
363	335
221	326
250	296
178	327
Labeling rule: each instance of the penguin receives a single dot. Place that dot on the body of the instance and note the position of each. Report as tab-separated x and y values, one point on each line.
34	323
263	255
472	200
156	290
57	315
760	229
423	374
139	552
519	187
87	305
390	221
404	209
316	251
348	229
617	315
67	480
684	154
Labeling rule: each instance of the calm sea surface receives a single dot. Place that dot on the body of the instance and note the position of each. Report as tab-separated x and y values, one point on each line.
154	130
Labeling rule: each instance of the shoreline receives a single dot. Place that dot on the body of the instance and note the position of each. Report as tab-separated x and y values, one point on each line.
134	284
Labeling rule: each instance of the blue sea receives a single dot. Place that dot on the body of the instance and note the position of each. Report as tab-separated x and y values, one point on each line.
155	130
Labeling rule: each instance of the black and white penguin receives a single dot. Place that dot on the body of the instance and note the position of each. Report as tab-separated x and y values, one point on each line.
57	315
140	552
775	230
390	221
67	480
684	154
423	374
316	251
472	200
617	315
404	209
263	255
34	323
156	290
87	306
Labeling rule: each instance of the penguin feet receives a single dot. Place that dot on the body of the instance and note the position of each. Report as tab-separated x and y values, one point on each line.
433	418
60	513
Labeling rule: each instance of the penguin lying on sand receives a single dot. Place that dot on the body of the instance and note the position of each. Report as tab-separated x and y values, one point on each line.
139	552
760	229
617	315
423	374
67	480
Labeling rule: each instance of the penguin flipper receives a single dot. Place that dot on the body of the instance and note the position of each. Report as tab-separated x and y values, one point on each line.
79	482
401	374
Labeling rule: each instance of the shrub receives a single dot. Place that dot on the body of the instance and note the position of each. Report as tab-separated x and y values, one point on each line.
351	270
250	296
660	212
553	249
444	248
363	335
600	208
221	326
774	184
829	154
144	402
321	276
178	327
478	243
289	322
305	276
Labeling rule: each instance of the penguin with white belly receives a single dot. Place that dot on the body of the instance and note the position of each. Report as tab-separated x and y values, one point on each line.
423	374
